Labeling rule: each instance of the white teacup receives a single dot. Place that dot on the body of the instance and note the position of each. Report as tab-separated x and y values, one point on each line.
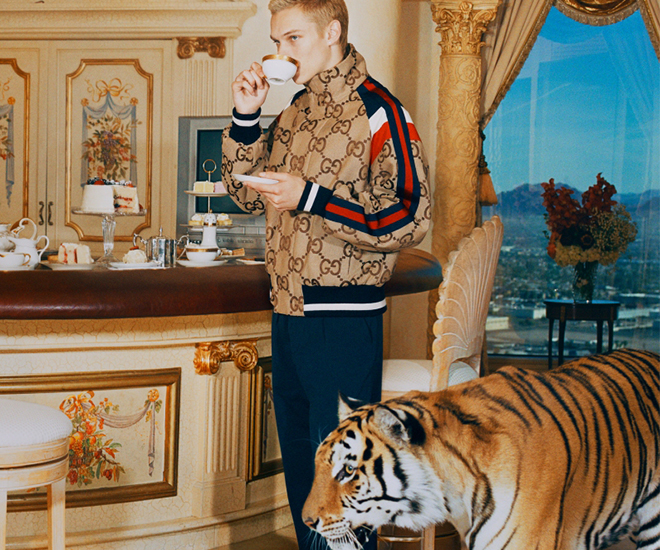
9	260
201	254
279	68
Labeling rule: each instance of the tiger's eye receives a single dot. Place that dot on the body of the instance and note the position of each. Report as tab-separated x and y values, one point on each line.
349	469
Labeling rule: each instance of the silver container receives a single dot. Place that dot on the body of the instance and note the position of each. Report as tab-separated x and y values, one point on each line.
160	249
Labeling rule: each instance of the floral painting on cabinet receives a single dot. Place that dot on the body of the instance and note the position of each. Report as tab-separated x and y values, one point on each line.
109	137
14	90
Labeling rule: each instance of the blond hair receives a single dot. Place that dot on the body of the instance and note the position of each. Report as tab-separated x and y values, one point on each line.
322	12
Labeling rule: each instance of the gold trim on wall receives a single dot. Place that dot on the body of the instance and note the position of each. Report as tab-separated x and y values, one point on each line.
84	63
82	381
26	133
209	355
214	46
256	467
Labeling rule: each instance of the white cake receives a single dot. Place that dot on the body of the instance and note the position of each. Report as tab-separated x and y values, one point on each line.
98	198
106	196
74	253
126	199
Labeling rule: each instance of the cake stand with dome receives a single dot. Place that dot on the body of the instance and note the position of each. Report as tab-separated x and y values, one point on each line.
108	224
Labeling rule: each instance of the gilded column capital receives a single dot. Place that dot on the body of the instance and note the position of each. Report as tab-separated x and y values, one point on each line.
214	46
462	24
209	355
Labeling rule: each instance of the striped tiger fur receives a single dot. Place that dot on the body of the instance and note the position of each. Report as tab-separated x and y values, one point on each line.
565	460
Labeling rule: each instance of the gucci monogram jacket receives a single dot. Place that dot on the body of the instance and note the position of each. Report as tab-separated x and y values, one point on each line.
366	196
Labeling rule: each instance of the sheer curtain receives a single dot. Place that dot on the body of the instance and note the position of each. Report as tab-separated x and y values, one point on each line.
512	35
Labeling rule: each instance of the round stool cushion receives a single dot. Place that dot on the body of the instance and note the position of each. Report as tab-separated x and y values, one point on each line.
403	375
23	423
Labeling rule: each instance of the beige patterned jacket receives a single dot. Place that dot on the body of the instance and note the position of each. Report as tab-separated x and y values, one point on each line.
366	197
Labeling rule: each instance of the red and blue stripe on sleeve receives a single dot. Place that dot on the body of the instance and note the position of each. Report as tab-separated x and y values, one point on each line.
388	120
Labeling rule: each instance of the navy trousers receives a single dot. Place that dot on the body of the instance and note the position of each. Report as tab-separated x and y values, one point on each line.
314	358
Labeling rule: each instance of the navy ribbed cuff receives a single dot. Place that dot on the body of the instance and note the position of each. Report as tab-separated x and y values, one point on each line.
314	198
245	128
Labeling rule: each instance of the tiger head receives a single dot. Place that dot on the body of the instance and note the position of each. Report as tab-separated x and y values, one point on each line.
371	471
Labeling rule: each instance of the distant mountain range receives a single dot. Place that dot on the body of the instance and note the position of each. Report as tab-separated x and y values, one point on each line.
526	200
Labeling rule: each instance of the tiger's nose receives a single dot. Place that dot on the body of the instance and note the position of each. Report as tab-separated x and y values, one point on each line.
311	523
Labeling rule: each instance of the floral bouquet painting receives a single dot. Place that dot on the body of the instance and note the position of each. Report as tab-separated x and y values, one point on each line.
596	231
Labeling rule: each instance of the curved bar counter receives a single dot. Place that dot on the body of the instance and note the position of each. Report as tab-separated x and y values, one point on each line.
181	355
116	294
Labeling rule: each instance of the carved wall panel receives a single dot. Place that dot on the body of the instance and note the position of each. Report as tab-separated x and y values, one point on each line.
109	134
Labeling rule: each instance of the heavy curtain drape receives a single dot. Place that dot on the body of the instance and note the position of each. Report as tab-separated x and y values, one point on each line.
512	35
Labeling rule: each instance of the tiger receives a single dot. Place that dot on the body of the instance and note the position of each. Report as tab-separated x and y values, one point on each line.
568	459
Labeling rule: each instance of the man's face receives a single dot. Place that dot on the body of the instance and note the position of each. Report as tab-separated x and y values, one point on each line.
295	34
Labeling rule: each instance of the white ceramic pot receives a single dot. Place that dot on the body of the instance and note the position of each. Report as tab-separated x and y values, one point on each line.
5	244
29	247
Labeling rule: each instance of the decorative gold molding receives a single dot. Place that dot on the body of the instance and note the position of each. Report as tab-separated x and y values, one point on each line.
209	355
122	19
214	46
13	63
461	28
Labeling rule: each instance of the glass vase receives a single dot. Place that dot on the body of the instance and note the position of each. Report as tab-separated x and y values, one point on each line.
584	281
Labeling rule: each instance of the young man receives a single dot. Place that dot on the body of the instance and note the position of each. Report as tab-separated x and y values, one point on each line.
351	192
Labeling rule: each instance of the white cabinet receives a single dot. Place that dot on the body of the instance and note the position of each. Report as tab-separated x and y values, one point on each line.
78	109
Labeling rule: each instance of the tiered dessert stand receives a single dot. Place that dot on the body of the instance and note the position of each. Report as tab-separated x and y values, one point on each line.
208	196
108	224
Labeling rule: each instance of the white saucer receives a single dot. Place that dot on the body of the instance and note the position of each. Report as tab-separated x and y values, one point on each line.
122	265
254	179
68	267
251	262
190	263
18	268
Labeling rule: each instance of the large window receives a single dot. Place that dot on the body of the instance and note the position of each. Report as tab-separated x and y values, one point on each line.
587	101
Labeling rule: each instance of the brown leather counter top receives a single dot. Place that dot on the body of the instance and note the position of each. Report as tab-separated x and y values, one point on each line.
111	294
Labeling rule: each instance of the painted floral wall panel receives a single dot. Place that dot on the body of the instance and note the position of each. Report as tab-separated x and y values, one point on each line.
14	117
109	136
123	432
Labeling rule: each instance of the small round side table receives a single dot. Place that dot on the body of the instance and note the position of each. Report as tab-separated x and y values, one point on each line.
568	310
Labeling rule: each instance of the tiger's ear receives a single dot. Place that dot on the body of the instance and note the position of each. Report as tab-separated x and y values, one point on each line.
399	426
347	406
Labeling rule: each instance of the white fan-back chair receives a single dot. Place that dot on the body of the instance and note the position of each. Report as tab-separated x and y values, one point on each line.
462	309
34	452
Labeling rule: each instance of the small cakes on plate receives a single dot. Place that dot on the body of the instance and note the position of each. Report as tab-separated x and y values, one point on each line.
203	187
197	219
135	256
223	220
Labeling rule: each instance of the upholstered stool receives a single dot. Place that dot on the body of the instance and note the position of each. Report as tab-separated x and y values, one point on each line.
34	449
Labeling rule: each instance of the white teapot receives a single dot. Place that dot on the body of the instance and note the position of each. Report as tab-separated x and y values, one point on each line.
28	245
5	244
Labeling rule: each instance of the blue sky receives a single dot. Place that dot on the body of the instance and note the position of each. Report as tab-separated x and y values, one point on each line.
586	101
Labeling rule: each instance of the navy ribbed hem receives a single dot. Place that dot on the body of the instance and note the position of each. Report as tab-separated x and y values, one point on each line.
245	128
344	301
314	199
